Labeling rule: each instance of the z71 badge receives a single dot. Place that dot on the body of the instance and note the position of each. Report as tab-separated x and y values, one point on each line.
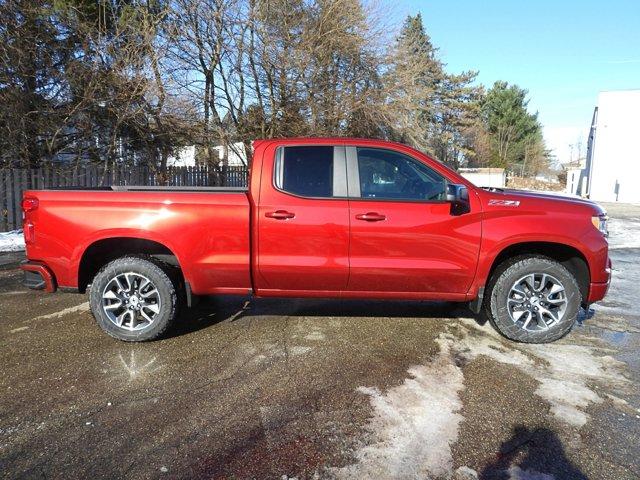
504	203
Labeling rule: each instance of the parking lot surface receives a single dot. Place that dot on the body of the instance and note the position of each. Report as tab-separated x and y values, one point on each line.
250	388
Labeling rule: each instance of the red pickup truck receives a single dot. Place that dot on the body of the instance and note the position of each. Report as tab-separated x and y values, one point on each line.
330	217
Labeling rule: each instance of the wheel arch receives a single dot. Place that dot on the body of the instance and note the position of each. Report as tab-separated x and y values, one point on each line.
570	257
104	250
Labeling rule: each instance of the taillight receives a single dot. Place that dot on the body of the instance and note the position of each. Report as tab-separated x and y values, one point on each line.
29	232
29	204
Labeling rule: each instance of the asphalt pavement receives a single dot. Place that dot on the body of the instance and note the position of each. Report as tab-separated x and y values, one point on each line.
270	388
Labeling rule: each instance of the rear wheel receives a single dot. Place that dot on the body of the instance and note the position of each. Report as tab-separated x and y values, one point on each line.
134	299
533	299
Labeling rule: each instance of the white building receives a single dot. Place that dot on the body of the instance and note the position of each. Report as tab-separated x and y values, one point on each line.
576	183
612	170
485	177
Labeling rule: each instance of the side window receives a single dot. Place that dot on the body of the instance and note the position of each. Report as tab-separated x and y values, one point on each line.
390	175
305	171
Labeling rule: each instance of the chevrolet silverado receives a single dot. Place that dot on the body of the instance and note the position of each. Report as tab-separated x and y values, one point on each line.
322	217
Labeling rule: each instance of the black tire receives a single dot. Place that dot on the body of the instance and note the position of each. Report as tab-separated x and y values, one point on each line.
167	303
499	288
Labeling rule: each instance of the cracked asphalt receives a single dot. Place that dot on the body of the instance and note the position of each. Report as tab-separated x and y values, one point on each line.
269	388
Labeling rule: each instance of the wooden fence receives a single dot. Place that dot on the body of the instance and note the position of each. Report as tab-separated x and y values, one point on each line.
13	182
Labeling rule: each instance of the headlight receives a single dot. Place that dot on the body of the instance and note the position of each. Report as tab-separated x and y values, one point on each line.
600	222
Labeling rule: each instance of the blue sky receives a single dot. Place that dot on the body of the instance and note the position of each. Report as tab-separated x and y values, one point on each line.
562	52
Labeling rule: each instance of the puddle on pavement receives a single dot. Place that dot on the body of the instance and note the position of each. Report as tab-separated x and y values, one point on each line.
616	338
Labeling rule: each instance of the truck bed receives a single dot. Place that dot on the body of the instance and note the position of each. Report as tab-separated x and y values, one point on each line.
205	228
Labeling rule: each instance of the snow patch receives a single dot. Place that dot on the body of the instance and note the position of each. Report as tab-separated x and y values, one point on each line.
516	473
299	350
414	424
83	307
470	347
465	473
315	335
11	241
622	296
624	233
19	329
565	372
565	382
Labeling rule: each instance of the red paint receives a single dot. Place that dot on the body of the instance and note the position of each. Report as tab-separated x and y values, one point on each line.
419	247
279	244
208	232
542	218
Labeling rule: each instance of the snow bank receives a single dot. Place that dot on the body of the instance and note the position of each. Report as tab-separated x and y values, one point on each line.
11	241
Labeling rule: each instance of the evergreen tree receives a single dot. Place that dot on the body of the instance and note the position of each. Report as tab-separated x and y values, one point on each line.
34	57
516	135
435	106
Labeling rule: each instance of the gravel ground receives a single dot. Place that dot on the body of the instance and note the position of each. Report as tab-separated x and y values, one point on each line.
248	388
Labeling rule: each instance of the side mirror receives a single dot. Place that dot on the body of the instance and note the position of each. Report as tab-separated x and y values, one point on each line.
458	195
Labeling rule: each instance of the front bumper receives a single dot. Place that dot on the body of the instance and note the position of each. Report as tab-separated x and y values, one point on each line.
598	290
37	276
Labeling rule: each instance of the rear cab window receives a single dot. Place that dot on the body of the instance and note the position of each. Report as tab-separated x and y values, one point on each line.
315	171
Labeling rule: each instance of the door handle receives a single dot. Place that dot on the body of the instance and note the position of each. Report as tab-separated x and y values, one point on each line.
371	217
280	215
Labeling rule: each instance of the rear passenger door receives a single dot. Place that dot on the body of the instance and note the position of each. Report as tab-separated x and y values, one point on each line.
303	221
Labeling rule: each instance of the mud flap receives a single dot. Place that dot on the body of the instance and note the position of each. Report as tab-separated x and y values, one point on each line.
475	305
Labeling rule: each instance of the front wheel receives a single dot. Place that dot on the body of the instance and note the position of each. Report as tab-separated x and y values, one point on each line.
133	299
533	299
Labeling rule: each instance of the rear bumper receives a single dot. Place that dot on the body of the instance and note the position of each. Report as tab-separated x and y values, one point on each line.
597	291
37	276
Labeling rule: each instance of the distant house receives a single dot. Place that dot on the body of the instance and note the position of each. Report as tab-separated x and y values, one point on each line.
183	157
612	169
235	155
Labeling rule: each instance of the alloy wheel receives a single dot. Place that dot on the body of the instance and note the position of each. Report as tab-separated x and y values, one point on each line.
537	301
131	301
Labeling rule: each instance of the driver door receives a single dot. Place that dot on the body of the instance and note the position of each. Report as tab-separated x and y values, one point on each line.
404	239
